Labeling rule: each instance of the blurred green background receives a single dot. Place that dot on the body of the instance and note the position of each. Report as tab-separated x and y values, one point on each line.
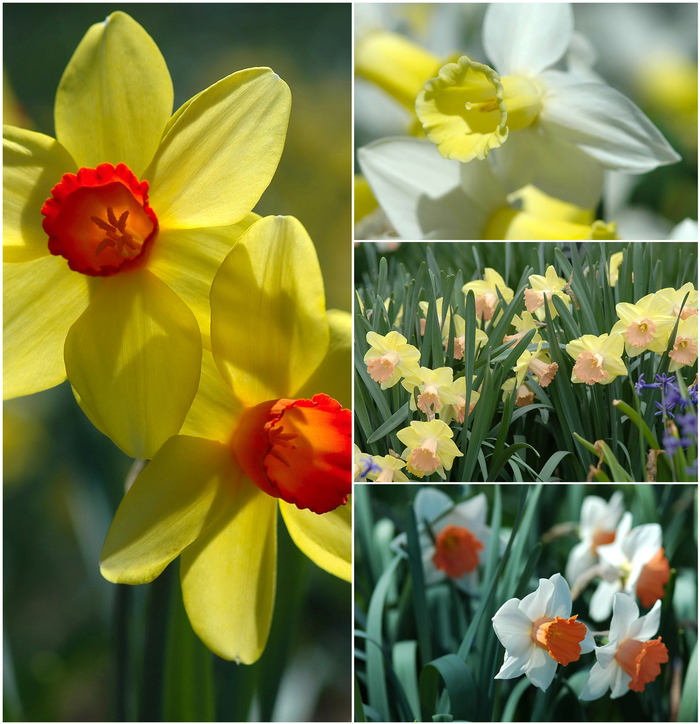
64	480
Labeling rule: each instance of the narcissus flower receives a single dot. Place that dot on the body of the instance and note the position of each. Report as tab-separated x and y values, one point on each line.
631	658
599	519
614	267
486	293
522	326
524	396
556	130
113	232
539	632
598	359
644	325
433	389
458	410
543	288
264	429
538	363
634	564
387	469
429	447
685	348
671	300
390	358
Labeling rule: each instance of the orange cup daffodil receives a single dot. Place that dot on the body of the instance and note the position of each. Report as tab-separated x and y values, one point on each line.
266	428
113	231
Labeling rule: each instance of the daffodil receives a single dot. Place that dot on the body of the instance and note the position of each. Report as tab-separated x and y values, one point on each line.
557	131
458	410
522	326
263	430
599	519
459	340
598	359
429	447
631	658
539	632
685	348
390	358
112	234
671	300
433	389
538	363
486	293
614	267
524	396
426	196
634	563
387	469
542	289
644	325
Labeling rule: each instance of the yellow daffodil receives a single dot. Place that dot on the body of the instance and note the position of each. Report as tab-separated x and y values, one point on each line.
458	410
390	358
685	348
543	288
433	389
614	267
429	447
459	343
524	395
598	359
522	326
644	325
113	233
486	296
538	363
265	426
388	469
671	300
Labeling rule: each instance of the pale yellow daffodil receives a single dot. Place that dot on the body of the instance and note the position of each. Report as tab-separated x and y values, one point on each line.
390	358
598	359
614	267
524	396
388	469
262	432
486	296
522	326
671	300
543	288
538	363
644	325
429	447
685	348
112	234
433	389
458	410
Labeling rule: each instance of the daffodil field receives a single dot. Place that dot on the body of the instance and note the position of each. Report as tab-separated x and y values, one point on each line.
526	603
526	362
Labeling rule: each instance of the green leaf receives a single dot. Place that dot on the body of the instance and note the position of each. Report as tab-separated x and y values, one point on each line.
420	604
689	697
514	698
404	656
459	684
620	475
359	708
391	424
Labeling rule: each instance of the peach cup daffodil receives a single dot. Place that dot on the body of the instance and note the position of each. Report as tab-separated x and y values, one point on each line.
598	359
390	358
112	233
429	447
631	658
543	288
433	389
539	632
264	427
486	293
645	325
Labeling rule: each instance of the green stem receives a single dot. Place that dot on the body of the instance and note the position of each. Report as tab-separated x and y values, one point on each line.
123	608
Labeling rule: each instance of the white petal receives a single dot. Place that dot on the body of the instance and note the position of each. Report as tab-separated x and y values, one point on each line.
602	600
588	643
606	654
621	683
526	38
429	504
419	190
541	669
642	544
603	123
580	559
555	166
560	602
513	629
469	582
483	186
687	230
592	510
534	605
512	666
645	627
625	611
598	682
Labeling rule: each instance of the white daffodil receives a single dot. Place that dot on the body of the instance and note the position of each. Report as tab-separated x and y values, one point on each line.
539	632
458	540
426	196
553	129
631	658
634	564
599	518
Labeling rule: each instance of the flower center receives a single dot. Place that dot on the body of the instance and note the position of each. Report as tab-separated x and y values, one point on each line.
589	368
298	450
456	551
560	636
382	368
652	579
684	351
640	333
602	538
429	399
641	660
100	220
424	457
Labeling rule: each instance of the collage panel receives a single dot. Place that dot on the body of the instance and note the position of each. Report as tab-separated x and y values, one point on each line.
529	362
525	602
177	196
519	121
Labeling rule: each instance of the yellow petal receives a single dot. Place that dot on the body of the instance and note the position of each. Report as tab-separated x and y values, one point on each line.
326	539
215	411
42	299
228	577
395	64
269	330
177	497
32	165
133	359
221	153
187	261
115	96
334	375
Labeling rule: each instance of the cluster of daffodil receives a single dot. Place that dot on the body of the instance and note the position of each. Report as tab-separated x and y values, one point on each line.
630	562
514	149
663	324
193	332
